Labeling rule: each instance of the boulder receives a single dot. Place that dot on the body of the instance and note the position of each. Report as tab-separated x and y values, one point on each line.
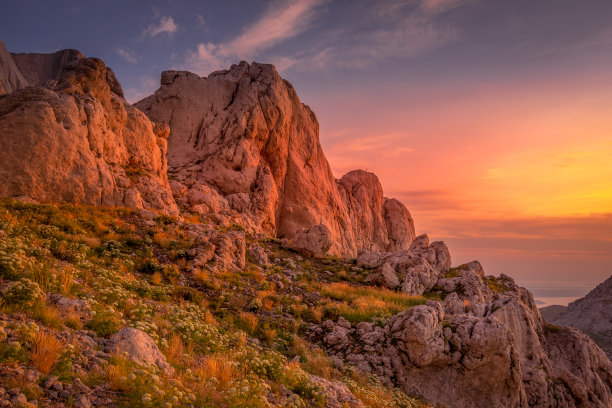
138	346
316	240
389	278
258	254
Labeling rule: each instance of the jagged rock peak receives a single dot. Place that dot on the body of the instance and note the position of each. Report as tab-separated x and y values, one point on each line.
242	141
71	137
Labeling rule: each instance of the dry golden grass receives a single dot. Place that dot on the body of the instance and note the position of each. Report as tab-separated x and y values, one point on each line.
315	360
157	278
46	350
201	275
208	318
65	278
163	239
73	321
192	218
359	303
48	315
249	322
177	351
42	276
268	298
114	376
269	335
219	366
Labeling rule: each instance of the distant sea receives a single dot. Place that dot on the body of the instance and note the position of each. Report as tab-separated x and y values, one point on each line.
547	295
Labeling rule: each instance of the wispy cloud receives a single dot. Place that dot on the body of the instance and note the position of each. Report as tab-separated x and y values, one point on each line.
166	25
441	6
383	31
367	33
126	55
280	22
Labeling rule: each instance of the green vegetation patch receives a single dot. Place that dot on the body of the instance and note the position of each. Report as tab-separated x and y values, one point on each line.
364	303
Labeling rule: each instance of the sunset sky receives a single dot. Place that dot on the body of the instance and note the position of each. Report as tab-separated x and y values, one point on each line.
489	119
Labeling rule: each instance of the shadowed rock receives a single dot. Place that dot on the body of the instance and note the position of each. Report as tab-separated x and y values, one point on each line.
592	314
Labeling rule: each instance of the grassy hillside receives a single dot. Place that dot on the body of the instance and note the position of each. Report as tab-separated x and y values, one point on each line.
72	276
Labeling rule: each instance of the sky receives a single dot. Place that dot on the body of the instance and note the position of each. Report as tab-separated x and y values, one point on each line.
489	119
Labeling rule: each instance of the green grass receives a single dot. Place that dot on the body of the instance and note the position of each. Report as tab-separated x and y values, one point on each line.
495	285
365	303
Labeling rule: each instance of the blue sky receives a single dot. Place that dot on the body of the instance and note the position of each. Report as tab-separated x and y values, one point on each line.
489	119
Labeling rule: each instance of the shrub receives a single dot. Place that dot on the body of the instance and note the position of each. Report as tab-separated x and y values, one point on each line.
150	266
23	294
104	323
495	285
550	328
300	382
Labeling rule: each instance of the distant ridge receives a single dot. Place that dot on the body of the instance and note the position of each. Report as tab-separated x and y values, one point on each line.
592	314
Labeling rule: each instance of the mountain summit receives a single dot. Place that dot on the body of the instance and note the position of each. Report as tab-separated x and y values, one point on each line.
243	137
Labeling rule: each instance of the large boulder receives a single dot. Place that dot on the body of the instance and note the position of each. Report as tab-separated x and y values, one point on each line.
315	240
137	346
77	140
242	140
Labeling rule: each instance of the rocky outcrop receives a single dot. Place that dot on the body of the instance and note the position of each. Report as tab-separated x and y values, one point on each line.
592	314
11	78
42	69
483	344
241	141
81	141
417	269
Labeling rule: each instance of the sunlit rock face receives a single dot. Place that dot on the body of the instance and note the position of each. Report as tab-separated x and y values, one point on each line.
243	135
67	135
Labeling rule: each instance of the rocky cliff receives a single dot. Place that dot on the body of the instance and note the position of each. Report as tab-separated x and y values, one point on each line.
479	341
241	140
67	135
592	314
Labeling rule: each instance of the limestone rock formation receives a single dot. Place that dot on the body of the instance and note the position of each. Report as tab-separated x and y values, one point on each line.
417	269
11	78
81	141
484	344
592	314
242	141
